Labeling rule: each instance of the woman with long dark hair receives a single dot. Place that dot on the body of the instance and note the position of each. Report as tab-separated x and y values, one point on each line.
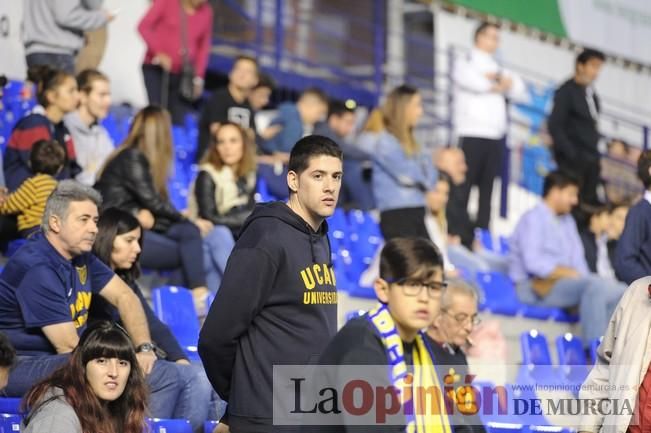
134	179
118	245
100	389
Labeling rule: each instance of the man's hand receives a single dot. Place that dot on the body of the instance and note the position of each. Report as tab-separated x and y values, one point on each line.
197	90
146	361
146	219
271	132
204	226
223	428
164	61
183	362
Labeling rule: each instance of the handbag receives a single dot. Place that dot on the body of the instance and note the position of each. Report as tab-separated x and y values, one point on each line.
186	82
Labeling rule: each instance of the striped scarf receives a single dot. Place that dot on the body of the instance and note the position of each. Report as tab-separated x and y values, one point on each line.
420	393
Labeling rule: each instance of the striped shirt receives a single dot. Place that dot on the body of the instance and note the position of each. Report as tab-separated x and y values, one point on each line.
28	201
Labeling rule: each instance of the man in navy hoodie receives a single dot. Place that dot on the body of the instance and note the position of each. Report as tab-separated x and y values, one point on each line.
633	253
277	304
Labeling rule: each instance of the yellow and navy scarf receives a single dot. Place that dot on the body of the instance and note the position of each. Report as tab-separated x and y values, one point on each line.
420	394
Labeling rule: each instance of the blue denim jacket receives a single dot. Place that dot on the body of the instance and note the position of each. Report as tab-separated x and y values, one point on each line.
399	180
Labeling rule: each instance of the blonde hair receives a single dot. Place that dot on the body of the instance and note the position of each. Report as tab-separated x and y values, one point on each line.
395	117
151	133
375	121
246	165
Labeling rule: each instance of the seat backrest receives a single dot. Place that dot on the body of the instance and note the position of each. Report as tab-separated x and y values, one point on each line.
570	350
502	427
497	286
10	405
210	426
158	425
10	422
534	348
174	306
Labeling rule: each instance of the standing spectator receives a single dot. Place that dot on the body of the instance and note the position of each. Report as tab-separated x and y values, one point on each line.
229	104
178	35
482	86
101	388
118	245
451	161
135	180
403	174
53	30
357	190
57	93
223	194
28	201
46	290
93	145
7	360
633	253
573	125
281	266
548	265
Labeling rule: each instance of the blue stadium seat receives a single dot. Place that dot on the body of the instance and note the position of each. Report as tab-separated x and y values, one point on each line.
502	427
10	422
158	425
210	426
262	192
499	295
594	345
174	306
10	405
571	358
355	313
536	361
484	236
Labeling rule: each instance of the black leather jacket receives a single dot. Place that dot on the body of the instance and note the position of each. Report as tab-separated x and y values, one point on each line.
204	191
126	183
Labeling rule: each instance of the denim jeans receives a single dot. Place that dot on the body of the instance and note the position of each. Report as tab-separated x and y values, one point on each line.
64	62
164	382
596	297
217	247
477	261
197	401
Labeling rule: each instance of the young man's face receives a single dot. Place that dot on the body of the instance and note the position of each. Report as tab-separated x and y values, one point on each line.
344	124
413	303
488	40
317	187
244	75
259	98
565	199
589	71
98	100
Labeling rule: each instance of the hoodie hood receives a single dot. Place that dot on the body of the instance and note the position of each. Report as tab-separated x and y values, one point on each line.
76	125
280	210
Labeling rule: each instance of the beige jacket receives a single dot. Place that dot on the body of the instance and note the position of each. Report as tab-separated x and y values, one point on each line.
622	362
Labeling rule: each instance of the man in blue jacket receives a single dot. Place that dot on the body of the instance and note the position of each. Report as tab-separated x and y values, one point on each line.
633	253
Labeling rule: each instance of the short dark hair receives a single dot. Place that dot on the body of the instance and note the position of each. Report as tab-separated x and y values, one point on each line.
559	179
7	352
409	258
316	92
47	157
310	147
112	223
265	81
481	28
87	77
643	166
588	54
248	59
338	108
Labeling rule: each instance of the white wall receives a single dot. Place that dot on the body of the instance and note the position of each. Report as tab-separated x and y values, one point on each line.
124	52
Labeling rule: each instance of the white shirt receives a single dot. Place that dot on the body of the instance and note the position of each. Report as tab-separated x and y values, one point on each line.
479	112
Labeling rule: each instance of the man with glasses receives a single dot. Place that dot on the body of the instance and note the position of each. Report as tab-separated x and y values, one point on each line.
448	336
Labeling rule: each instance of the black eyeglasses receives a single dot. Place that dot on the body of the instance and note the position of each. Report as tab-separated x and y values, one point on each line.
463	318
414	287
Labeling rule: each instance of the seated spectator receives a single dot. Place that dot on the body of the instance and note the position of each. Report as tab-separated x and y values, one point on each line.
408	290
599	251
357	191
449	336
28	201
46	290
134	179
633	253
57	93
261	93
547	262
456	256
93	145
118	245
616	222
223	194
229	104
100	388
294	121
7	360
403	174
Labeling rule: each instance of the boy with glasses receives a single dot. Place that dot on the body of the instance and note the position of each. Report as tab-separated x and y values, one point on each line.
409	289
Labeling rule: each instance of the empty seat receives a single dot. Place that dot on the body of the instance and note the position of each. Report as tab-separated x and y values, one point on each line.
158	425
10	422
499	295
175	307
571	358
10	405
536	360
